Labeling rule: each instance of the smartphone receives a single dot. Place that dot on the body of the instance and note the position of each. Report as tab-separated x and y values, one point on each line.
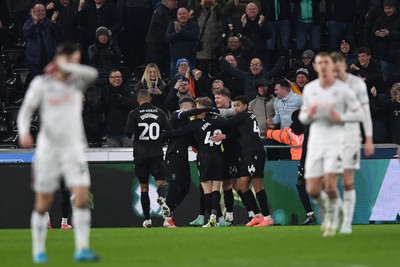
152	84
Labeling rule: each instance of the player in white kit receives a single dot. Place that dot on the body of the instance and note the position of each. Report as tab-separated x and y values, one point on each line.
327	104
353	140
60	146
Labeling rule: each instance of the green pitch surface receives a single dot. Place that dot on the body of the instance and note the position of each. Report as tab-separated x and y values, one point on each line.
286	246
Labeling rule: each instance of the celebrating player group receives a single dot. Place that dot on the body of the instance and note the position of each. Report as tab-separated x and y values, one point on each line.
230	154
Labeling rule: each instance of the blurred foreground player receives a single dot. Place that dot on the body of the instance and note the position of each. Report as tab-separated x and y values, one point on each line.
60	146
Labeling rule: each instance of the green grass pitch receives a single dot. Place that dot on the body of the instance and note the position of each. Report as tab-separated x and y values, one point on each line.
286	246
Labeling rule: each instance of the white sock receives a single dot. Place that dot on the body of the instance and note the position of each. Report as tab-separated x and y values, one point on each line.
251	214
267	217
221	218
322	200
200	217
81	220
349	203
47	214
39	232
64	221
334	206
229	216
311	213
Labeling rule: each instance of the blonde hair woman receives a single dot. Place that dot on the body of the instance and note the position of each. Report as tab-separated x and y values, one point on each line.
152	81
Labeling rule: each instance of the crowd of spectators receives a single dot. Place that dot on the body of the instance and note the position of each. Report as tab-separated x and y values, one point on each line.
261	49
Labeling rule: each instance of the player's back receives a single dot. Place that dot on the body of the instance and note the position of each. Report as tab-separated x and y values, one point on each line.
358	86
202	135
179	145
249	132
147	123
337	97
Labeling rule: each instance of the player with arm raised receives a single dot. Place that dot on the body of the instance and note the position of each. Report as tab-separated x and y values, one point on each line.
328	104
147	123
352	140
60	146
252	160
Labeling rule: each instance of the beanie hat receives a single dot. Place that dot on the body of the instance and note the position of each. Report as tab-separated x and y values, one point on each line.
102	30
308	54
180	61
303	71
262	82
389	3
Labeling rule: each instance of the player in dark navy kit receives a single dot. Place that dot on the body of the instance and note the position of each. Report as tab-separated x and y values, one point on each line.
177	161
252	160
148	123
209	158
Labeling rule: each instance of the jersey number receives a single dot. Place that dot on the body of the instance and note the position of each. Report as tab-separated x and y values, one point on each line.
150	131
256	129
208	140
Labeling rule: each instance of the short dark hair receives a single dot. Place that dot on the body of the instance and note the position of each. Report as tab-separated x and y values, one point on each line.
283	83
114	70
187	99
224	92
242	99
184	79
364	50
143	94
67	48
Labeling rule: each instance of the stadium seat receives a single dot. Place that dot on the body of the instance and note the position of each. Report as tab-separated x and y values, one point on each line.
17	57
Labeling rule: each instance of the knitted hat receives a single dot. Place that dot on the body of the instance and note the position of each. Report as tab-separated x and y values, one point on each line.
180	61
302	71
102	30
308	54
389	3
262	82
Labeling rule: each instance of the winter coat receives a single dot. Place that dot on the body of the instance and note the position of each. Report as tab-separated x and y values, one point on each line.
155	38
263	108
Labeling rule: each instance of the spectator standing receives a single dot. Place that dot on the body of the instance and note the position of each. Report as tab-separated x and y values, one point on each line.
369	69
285	103
180	90
152	81
157	49
182	36
278	17
104	54
67	10
208	14
20	10
300	81
251	79
136	21
94	14
263	106
230	81
341	16
256	29
386	36
347	49
40	33
116	101
308	24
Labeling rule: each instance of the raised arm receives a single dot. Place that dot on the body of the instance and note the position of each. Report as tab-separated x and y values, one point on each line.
194	112
86	73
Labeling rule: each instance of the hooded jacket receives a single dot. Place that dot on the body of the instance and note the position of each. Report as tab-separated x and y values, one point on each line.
263	108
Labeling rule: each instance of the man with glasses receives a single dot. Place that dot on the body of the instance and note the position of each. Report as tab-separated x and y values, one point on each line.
116	101
251	79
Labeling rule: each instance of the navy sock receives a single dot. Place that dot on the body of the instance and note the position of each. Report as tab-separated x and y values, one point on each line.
262	200
251	201
207	202
65	203
215	206
162	190
145	200
228	198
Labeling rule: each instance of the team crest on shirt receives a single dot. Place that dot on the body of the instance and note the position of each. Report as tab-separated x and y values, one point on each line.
251	169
